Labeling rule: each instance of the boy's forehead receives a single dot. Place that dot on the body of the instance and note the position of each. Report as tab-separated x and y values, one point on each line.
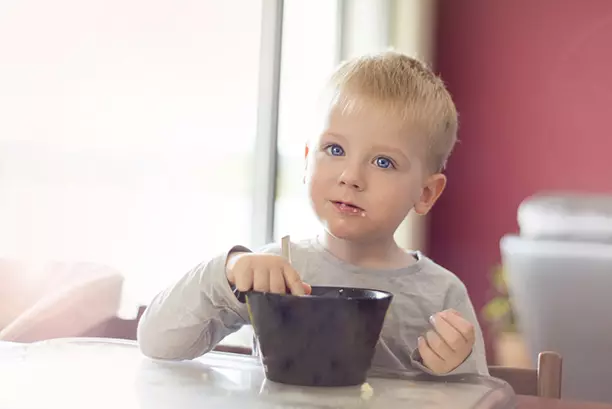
376	122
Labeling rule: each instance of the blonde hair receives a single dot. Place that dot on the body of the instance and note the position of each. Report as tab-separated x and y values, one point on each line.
406	88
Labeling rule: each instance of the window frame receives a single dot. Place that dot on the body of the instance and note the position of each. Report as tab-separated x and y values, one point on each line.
265	157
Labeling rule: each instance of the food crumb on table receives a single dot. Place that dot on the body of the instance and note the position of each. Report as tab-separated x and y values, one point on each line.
366	391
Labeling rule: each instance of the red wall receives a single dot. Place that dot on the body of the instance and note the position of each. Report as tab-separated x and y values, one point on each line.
533	84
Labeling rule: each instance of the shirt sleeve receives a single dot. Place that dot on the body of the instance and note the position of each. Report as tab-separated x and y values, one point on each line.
193	315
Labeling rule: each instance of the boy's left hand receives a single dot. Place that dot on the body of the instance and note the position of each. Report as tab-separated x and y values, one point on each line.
449	344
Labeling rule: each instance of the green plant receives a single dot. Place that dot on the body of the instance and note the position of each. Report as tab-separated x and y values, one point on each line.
498	312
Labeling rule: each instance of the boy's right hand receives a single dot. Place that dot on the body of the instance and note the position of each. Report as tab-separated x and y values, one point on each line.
264	272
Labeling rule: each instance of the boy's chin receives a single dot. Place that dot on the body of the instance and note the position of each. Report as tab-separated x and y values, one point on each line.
348	233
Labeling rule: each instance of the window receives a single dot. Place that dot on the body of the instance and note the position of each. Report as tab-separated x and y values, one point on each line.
127	132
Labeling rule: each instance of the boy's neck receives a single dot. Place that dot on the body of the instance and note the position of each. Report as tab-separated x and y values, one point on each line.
383	254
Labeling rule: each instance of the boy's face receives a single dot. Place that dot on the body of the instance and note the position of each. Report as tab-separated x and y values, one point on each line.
365	173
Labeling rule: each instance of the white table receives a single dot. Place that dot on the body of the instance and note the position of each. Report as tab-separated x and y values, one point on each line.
102	373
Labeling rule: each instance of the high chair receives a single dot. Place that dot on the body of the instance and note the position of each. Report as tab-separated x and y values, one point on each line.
544	381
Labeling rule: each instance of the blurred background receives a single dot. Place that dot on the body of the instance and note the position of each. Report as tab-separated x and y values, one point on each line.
138	138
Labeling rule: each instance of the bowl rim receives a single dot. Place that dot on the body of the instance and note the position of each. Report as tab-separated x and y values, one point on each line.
384	294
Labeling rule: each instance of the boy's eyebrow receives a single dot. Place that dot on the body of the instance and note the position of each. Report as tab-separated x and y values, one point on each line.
385	148
336	135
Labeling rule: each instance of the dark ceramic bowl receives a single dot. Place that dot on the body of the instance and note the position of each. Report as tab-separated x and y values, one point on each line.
327	338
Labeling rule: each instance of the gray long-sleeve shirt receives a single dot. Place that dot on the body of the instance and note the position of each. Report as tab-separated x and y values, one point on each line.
189	318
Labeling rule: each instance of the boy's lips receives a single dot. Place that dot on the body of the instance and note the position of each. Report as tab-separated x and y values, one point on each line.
348	208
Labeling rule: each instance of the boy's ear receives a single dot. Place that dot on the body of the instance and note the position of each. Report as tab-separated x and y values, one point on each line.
431	191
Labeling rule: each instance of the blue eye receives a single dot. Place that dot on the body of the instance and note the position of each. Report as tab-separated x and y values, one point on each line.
335	150
383	163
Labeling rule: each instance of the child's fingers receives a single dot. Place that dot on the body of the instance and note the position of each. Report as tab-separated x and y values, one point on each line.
449	334
261	279
307	288
277	281
244	280
430	359
293	280
439	346
463	326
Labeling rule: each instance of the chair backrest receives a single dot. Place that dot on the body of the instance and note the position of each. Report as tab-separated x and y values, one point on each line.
544	381
116	327
234	349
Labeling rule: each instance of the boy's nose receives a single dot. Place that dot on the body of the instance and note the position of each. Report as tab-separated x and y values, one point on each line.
352	179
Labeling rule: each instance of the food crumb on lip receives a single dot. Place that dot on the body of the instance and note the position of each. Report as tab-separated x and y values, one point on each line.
349	208
340	202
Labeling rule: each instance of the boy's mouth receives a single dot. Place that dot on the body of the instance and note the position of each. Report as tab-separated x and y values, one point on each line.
346	207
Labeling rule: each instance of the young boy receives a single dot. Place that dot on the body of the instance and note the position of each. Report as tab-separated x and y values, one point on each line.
389	129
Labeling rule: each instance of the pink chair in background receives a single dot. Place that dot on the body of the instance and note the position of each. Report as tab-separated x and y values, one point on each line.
56	300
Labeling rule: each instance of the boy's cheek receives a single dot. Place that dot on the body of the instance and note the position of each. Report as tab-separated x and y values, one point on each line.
318	171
